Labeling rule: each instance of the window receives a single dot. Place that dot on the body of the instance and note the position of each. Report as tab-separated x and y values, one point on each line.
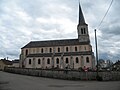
57	61
29	61
75	48
81	31
42	50
84	31
50	50
39	61
48	61
58	49
77	60
26	52
67	60
87	59
66	49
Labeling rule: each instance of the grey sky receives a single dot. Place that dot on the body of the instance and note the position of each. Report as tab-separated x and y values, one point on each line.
22	21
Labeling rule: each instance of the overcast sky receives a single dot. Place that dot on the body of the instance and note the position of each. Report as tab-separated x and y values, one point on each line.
22	21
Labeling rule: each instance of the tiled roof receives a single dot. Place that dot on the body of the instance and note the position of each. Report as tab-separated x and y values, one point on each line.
49	43
59	54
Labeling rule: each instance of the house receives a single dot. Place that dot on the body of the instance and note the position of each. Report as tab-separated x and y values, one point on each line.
5	63
15	63
116	66
66	53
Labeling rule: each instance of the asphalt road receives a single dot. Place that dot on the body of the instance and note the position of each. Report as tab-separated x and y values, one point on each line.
10	81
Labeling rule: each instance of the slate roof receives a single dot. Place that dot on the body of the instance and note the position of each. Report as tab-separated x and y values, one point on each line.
81	17
7	62
59	54
16	61
49	43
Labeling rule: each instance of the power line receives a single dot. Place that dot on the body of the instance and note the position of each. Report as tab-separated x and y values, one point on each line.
104	15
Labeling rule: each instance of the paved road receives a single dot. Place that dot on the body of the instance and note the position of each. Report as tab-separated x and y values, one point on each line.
10	81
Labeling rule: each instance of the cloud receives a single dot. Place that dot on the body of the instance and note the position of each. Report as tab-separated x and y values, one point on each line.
25	20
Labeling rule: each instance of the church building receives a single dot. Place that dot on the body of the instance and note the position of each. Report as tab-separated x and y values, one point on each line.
67	53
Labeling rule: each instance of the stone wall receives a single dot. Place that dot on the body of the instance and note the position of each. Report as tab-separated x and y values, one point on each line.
65	74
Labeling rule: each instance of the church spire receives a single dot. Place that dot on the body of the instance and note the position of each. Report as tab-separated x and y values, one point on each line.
83	34
81	17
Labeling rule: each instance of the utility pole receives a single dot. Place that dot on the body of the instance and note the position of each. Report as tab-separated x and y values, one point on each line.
96	51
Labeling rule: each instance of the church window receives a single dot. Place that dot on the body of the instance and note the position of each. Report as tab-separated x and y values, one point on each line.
26	52
33	50
77	60
87	59
58	49
66	49
81	31
29	61
50	50
75	48
57	61
67	60
48	61
84	31
39	61
42	50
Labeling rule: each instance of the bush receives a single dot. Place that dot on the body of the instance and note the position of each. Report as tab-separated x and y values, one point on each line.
99	78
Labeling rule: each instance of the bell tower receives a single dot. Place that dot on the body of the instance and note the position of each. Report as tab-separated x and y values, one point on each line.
83	34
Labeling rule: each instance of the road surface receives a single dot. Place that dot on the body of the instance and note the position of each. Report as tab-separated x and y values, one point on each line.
9	81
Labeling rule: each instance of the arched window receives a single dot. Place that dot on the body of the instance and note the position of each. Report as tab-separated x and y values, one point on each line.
29	61
42	50
75	48
57	61
81	31
39	61
26	52
84	31
58	49
67	60
50	50
48	61
77	60
87	60
66	49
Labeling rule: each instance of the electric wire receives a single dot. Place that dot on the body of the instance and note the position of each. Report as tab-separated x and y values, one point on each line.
98	27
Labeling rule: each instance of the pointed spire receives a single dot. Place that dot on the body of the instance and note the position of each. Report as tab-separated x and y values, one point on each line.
81	17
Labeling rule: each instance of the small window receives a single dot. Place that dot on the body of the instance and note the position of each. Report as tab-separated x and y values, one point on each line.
39	61
67	60
58	49
84	31
50	50
26	52
87	59
29	61
81	31
77	60
42	50
48	61
75	48
66	49
57	61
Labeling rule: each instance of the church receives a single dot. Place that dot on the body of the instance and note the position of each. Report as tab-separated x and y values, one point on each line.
62	54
